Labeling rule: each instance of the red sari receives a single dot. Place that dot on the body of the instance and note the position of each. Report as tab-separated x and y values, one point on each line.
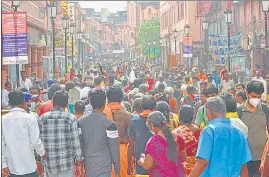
191	144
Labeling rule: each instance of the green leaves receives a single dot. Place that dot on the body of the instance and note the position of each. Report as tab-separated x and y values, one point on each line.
149	31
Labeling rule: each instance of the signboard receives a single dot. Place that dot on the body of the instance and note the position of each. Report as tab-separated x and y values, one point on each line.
188	46
218	44
14	38
206	6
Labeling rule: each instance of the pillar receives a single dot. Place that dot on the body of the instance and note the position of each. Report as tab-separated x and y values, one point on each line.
34	59
39	62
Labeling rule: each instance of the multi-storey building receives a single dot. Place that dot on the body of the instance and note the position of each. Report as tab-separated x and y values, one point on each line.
174	15
38	26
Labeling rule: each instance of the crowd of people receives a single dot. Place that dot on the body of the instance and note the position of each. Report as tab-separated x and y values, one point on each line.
136	120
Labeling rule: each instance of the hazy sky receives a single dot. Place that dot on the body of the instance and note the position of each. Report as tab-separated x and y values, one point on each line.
113	6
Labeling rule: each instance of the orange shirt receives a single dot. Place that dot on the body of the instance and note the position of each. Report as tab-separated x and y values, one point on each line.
172	103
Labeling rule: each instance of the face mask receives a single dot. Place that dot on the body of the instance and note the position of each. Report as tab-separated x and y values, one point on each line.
32	106
254	101
148	75
92	75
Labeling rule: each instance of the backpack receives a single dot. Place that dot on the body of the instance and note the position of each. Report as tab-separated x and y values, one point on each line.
265	109
122	120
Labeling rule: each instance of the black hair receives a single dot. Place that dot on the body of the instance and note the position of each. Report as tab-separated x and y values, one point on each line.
232	88
230	102
190	89
211	90
114	94
69	85
159	121
242	85
164	108
33	87
97	98
242	94
194	78
23	90
203	83
53	89
138	95
16	97
148	102
161	87
80	106
255	87
97	80
137	104
186	114
143	88
60	98
8	83
125	97
136	83
187	79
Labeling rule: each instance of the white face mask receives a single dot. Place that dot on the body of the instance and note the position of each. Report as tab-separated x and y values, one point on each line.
148	75
32	107
92	75
254	101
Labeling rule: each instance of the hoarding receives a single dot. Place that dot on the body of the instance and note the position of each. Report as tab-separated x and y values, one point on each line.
14	38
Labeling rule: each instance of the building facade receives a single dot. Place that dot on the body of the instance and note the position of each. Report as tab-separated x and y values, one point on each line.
174	15
38	25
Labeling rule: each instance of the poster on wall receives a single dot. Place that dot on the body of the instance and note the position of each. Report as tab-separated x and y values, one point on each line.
188	46
218	45
14	38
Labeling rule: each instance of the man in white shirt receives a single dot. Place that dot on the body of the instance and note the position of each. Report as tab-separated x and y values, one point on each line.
259	78
20	137
5	92
226	83
25	82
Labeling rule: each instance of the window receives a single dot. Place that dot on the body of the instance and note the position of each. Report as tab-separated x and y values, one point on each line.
182	10
149	11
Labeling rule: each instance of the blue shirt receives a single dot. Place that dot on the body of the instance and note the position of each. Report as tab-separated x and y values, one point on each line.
225	147
217	80
141	134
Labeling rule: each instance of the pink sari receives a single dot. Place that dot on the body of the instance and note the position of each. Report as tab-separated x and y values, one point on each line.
163	167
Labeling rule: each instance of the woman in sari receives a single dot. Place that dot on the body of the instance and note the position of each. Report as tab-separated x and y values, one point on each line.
190	132
164	152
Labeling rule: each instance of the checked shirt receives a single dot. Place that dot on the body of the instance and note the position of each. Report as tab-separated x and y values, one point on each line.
60	136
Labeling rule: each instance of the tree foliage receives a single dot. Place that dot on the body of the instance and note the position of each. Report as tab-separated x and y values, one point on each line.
150	31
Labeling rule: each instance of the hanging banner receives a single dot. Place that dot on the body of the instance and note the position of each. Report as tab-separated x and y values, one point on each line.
206	7
14	38
229	4
188	45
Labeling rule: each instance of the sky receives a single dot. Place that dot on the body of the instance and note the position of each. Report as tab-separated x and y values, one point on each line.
113	6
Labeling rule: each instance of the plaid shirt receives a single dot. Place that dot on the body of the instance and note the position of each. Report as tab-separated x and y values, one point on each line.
60	136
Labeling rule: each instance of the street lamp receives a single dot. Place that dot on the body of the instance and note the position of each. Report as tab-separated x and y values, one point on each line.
65	21
228	17
79	35
149	43
52	10
205	27
187	29
15	5
154	44
82	50
72	31
175	37
265	9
